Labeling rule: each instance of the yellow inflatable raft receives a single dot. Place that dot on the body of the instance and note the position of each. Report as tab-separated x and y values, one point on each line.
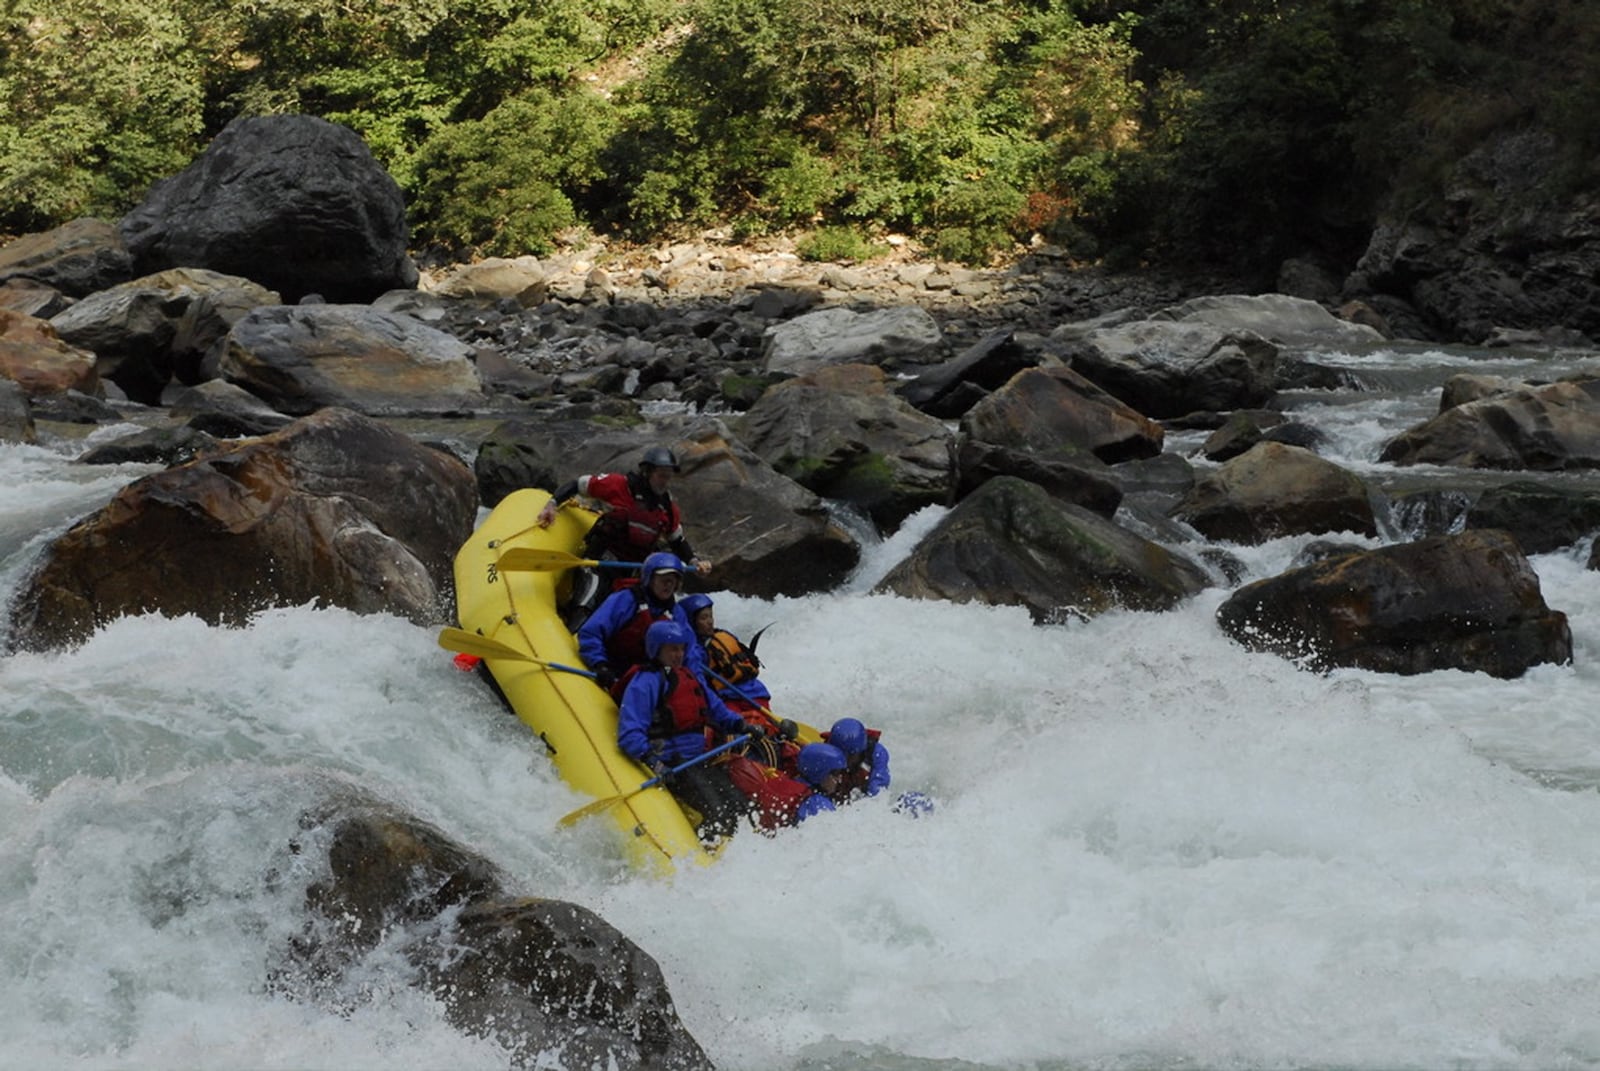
507	610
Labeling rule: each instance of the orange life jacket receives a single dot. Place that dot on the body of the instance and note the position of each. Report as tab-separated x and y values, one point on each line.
730	659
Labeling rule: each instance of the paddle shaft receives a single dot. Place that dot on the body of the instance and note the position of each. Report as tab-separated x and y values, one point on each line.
610	801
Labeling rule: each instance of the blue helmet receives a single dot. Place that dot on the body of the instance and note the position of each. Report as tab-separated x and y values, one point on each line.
817	761
849	736
693	604
660	562
662	633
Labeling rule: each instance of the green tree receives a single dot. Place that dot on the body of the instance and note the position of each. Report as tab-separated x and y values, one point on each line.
100	98
506	184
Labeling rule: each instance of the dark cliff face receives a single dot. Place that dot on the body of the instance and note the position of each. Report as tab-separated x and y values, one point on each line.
1512	243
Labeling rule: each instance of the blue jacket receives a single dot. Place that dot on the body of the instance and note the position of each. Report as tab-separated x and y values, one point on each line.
877	771
815	803
594	636
640	701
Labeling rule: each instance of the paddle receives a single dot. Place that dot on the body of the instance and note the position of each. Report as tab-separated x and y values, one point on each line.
459	639
599	805
535	560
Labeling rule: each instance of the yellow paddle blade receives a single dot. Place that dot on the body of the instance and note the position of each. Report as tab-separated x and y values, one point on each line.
594	808
464	642
537	560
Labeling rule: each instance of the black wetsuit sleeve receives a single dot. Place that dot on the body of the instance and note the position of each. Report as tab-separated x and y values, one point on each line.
682	549
564	492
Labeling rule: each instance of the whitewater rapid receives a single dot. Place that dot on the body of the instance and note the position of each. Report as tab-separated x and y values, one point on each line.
1152	848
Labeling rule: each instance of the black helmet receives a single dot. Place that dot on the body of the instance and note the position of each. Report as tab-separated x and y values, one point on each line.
659	457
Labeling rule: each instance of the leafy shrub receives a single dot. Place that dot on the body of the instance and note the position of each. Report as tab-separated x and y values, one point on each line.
835	243
505	185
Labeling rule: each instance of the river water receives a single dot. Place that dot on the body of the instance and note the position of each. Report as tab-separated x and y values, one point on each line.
1152	849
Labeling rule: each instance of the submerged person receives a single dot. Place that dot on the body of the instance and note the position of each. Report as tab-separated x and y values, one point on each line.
866	759
612	639
787	800
662	720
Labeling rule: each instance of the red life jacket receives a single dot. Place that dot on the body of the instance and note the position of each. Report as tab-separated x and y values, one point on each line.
730	659
682	708
637	521
625	647
777	796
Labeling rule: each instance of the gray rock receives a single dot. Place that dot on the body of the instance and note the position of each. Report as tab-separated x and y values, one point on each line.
841	433
1274	490
1538	517
164	446
889	337
986	365
1167	369
522	279
1013	544
1547	429
538	976
76	258
1279	318
134	328
226	410
301	358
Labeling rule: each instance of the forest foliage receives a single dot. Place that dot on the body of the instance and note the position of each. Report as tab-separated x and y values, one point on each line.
1237	131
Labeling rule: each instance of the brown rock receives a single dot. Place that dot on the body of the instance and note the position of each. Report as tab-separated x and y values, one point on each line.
335	510
33	356
1468	602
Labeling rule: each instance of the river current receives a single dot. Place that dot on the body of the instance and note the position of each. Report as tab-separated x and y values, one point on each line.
1152	848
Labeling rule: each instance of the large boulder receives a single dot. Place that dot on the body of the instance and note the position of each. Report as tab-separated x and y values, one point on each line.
538	976
1079	478
334	509
1012	543
1539	518
1279	318
77	258
133	327
899	335
226	410
768	535
1468	601
1274	490
38	360
1546	428
300	358
841	433
1166	368
1053	412
293	202
765	534
949	389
